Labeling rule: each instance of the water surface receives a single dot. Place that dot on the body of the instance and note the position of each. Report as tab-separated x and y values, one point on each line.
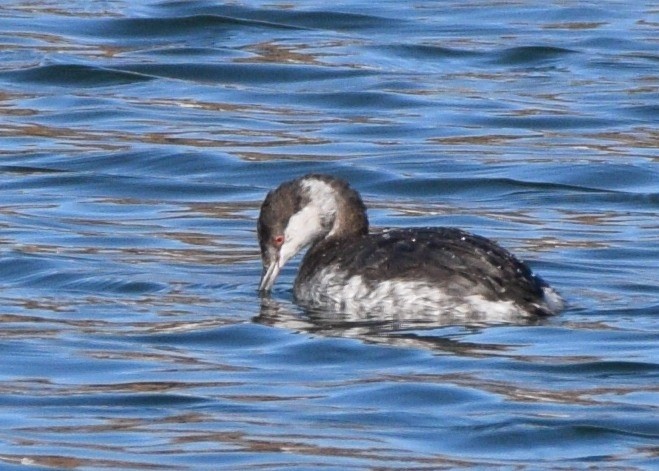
138	140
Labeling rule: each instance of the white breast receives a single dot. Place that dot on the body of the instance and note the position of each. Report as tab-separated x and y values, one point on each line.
353	297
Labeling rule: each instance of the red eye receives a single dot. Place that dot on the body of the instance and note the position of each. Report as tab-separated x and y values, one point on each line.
278	240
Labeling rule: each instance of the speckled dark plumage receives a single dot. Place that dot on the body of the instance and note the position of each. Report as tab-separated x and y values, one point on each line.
415	269
455	261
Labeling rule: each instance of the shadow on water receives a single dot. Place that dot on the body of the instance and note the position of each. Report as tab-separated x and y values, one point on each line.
441	335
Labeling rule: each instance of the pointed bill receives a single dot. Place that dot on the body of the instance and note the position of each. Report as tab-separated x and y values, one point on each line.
269	276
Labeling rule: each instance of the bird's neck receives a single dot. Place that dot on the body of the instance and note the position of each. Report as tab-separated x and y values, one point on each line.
338	209
349	221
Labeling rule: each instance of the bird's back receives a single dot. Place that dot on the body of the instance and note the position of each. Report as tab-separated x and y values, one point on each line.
441	269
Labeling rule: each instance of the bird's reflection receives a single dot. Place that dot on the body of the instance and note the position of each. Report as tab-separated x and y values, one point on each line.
443	335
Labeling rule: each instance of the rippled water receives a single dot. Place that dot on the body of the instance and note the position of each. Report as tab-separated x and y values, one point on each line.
138	139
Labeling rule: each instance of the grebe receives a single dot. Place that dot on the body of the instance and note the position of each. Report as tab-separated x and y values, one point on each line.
443	270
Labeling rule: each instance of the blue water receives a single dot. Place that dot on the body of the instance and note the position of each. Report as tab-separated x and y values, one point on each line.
138	140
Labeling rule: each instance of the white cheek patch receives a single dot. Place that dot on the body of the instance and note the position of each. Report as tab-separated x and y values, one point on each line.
322	199
303	228
312	222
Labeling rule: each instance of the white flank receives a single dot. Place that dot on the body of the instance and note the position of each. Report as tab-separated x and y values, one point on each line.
402	298
553	300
